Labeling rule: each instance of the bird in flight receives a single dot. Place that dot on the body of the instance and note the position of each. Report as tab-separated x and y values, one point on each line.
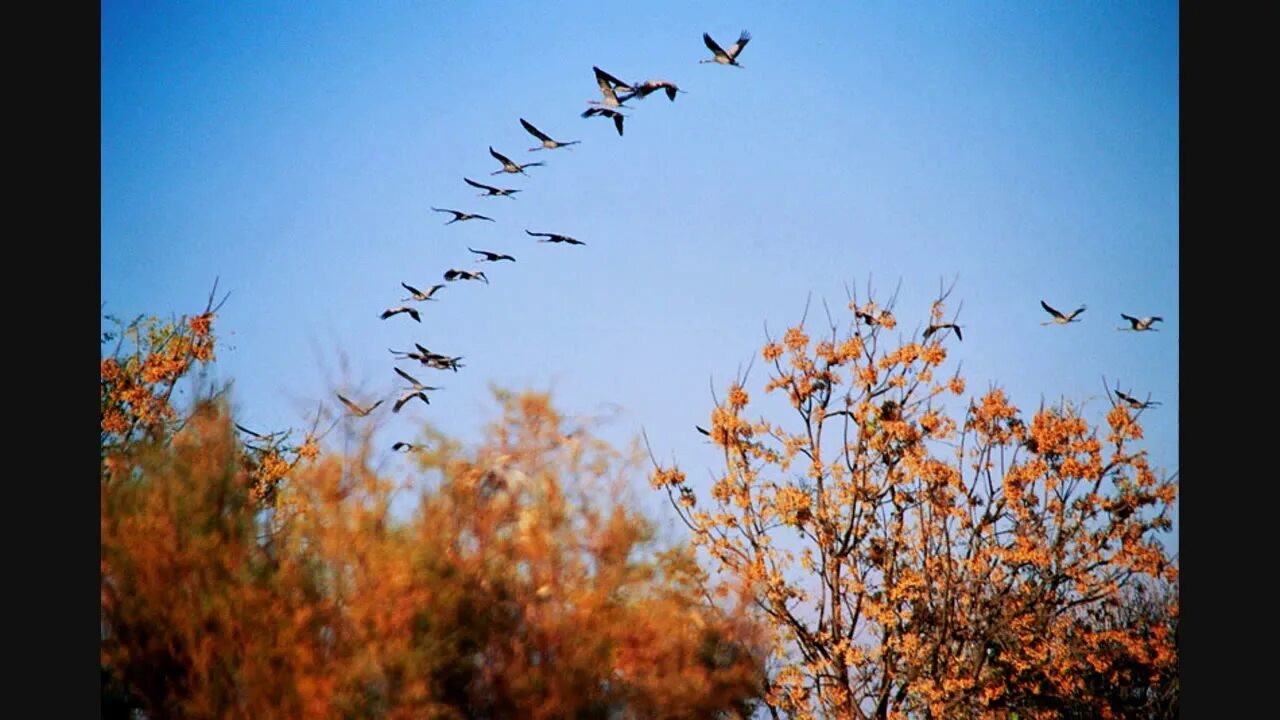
402	309
649	86
356	409
547	142
508	166
491	191
407	447
417	385
1141	324
1059	318
605	112
555	238
609	87
458	215
418	295
406	397
492	256
939	326
1134	402
726	57
455	274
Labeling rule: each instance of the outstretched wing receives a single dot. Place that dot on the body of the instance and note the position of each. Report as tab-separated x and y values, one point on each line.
737	47
534	234
352	406
500	157
1050	310
608	81
535	131
617	122
410	288
711	45
408	377
1130	318
482	186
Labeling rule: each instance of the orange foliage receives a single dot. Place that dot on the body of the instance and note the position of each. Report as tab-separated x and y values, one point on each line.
917	564
521	586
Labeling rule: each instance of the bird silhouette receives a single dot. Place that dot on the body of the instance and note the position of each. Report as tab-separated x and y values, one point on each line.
491	191
459	215
1141	324
555	238
455	274
939	326
605	112
402	309
492	256
508	166
356	409
649	86
1059	318
726	57
418	295
547	142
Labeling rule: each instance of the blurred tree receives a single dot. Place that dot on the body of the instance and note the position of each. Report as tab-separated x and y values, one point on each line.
916	565
522	586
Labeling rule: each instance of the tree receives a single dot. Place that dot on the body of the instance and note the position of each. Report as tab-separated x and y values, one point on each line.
913	564
521	585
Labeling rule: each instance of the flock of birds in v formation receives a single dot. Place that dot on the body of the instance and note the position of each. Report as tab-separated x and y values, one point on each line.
615	93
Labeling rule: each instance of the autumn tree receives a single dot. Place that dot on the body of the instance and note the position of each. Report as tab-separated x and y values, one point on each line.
521	584
919	559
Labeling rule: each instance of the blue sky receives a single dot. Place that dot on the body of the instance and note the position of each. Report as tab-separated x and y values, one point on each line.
294	150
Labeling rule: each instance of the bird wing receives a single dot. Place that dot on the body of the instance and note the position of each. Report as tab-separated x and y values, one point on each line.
535	131
450	274
389	312
1050	310
609	82
711	45
412	313
501	158
482	186
958	335
244	429
483	217
408	377
354	407
929	331
738	47
534	234
617	122
1130	318
410	288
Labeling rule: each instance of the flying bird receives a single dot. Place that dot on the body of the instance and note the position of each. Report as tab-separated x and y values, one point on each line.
1140	324
356	409
418	295
726	57
609	87
555	238
649	86
402	309
935	328
491	191
417	385
458	215
547	142
508	166
702	430
406	397
407	447
605	112
492	256
1059	318
1134	402
455	274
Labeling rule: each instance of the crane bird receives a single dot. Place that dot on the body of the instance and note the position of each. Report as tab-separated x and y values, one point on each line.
1141	324
1134	402
356	409
406	397
1059	318
459	215
726	57
402	309
491	191
508	166
455	274
555	238
605	112
547	142
609	87
418	295
492	256
939	326
648	86
417	384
